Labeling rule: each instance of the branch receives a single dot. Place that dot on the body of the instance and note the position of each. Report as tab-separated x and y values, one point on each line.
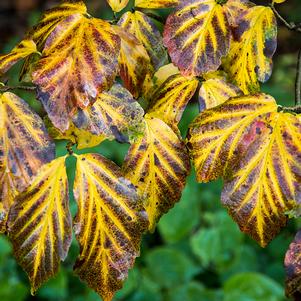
290	25
298	81
10	88
294	110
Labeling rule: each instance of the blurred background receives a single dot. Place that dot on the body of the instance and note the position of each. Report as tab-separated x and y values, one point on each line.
197	252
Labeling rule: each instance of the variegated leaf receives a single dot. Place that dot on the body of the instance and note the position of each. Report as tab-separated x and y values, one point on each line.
21	51
108	226
250	56
265	181
215	91
115	115
80	59
141	26
170	99
197	36
24	147
215	134
118	5
134	62
40	224
292	265
158	165
153	4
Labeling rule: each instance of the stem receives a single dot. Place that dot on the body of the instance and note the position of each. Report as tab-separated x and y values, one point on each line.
298	81
289	25
294	110
9	88
69	148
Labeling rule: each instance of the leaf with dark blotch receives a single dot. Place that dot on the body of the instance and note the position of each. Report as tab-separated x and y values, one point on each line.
197	36
118	5
80	60
158	164
255	42
108	226
170	99
24	147
154	4
134	62
40	224
115	115
21	51
144	29
215	134
265	182
215	91
292	263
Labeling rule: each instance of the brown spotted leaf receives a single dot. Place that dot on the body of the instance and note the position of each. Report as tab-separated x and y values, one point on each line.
40	224
215	134
158	165
21	51
80	60
215	91
134	62
264	183
255	40
144	29
108	226
24	146
115	115
118	5
170	99
154	4
292	265
197	36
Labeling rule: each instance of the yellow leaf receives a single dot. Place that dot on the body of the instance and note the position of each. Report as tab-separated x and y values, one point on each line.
109	224
144	29
278	1
266	179
115	115
234	9
170	100
40	224
197	36
215	91
21	51
158	165
164	73
80	60
215	134
250	56
24	146
134	62
118	5
153	4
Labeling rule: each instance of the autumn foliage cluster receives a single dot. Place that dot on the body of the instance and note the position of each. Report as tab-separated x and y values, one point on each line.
123	79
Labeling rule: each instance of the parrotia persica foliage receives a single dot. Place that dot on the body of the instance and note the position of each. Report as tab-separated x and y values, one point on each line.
92	76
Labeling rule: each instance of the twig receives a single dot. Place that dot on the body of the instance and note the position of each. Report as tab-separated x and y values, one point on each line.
298	81
295	110
9	88
289	25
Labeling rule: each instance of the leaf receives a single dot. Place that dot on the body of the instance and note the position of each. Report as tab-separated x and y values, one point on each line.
82	139
144	29
80	60
108	225
255	42
24	147
118	5
215	91
21	51
40	223
164	73
292	263
197	36
153	4
115	115
158	164
134	62
170	100
215	134
264	184
278	1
